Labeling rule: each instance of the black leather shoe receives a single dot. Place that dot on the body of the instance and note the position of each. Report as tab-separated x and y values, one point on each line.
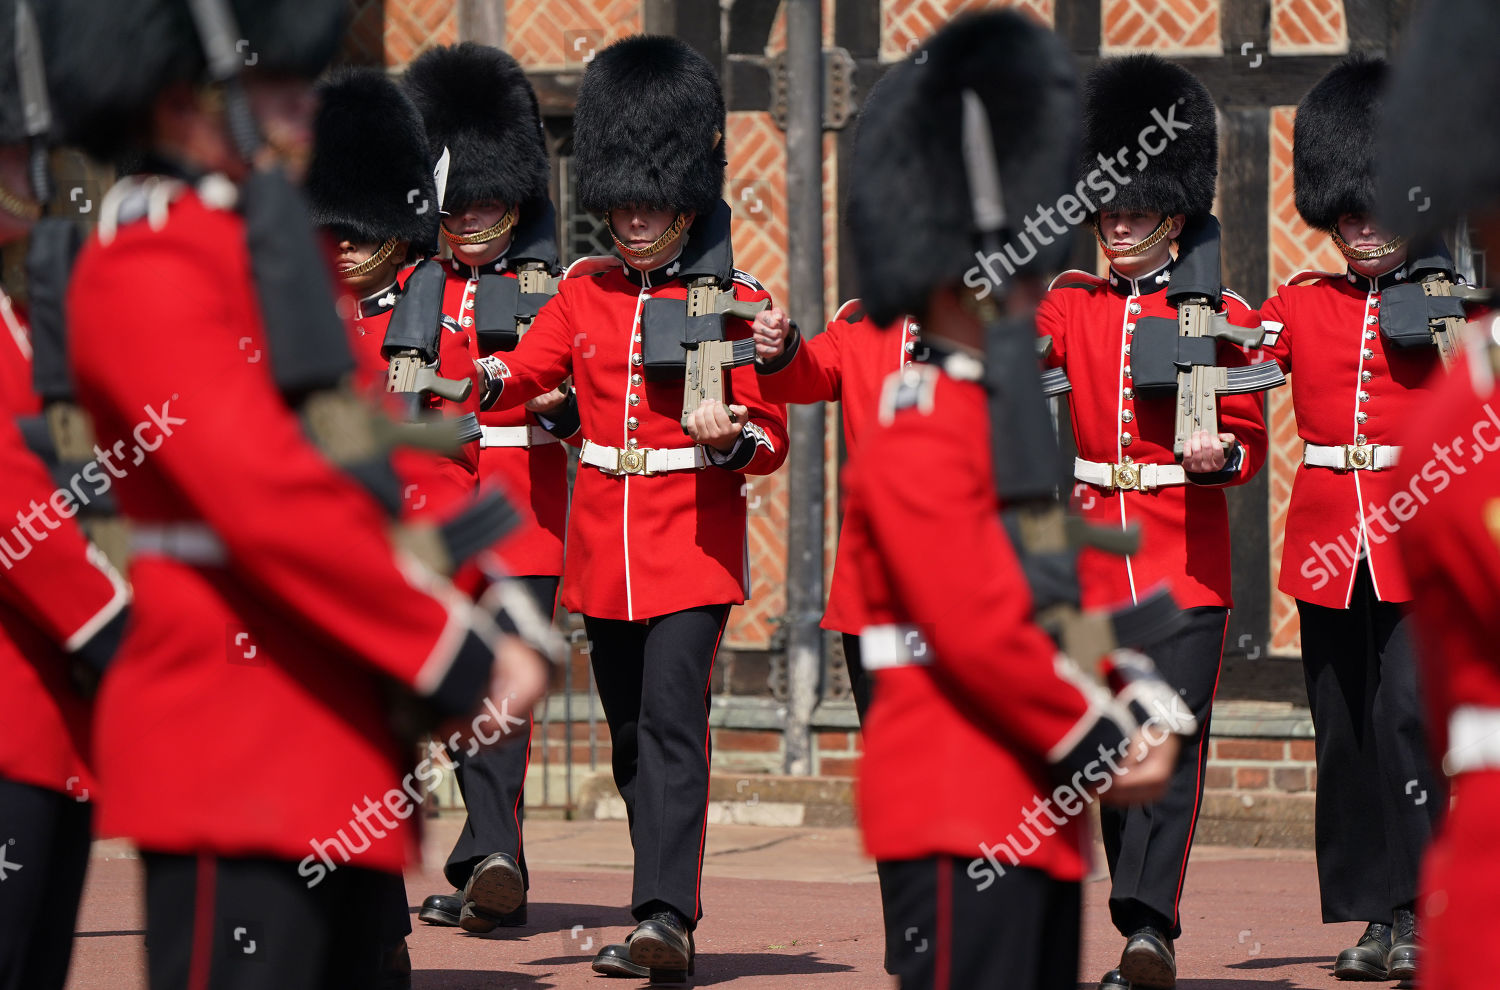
442	909
663	944
1401	963
494	891
395	968
470	921
1366	959
1114	981
614	960
1148	962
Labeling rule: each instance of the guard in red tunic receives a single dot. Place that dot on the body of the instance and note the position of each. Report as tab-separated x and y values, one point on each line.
61	605
485	132
656	542
1124	427
1449	150
273	618
1355	391
983	856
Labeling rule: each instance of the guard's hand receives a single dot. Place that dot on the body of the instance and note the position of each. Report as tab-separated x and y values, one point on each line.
1204	454
770	329
716	424
548	401
518	679
1146	769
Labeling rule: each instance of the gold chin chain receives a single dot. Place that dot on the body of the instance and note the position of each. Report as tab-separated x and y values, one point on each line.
500	229
1355	254
655	246
1150	241
371	263
22	207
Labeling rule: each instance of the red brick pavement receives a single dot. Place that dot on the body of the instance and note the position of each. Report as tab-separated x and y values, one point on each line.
1251	918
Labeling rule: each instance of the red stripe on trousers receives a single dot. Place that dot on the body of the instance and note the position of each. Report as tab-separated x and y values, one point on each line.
203	923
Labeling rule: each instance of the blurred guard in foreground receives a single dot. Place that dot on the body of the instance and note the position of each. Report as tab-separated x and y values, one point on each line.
1117	339
656	537
982	890
1358	379
1449	152
62	606
274	622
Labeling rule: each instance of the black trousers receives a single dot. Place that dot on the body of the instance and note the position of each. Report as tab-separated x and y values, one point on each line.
215	923
1378	797
44	854
493	783
654	680
944	933
1147	846
862	687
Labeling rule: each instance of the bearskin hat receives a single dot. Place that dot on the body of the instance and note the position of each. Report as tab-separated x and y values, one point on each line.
1440	134
649	128
1333	142
1123	99
110	58
370	177
909	209
476	101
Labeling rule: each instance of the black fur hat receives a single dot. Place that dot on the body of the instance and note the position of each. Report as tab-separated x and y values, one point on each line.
909	210
1119	99
370	176
1333	142
1440	133
649	128
110	58
476	101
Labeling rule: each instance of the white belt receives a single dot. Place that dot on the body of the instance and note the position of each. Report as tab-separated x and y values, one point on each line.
646	460
514	436
1473	740
1128	477
1351	456
190	543
898	645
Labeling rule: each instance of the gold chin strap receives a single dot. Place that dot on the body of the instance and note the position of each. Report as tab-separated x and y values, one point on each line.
500	229
22	207
655	246
1150	241
1355	254
371	263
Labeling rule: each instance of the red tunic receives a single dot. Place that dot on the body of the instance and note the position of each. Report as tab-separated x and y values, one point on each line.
643	545
246	713
535	479
846	363
958	750
1184	528
1327	332
432	484
1450	546
57	594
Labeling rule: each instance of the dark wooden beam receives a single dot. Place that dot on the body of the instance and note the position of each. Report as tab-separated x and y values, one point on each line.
750	26
1077	23
856	26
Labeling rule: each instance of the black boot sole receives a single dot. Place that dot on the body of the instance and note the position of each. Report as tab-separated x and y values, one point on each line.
1144	969
1404	969
619	967
1358	970
666	963
496	891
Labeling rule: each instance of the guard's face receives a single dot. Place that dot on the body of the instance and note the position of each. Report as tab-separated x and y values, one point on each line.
472	218
638	228
1123	229
352	255
1361	232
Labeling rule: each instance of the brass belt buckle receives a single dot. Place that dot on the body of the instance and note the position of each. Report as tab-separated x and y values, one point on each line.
1359	456
1125	477
631	461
